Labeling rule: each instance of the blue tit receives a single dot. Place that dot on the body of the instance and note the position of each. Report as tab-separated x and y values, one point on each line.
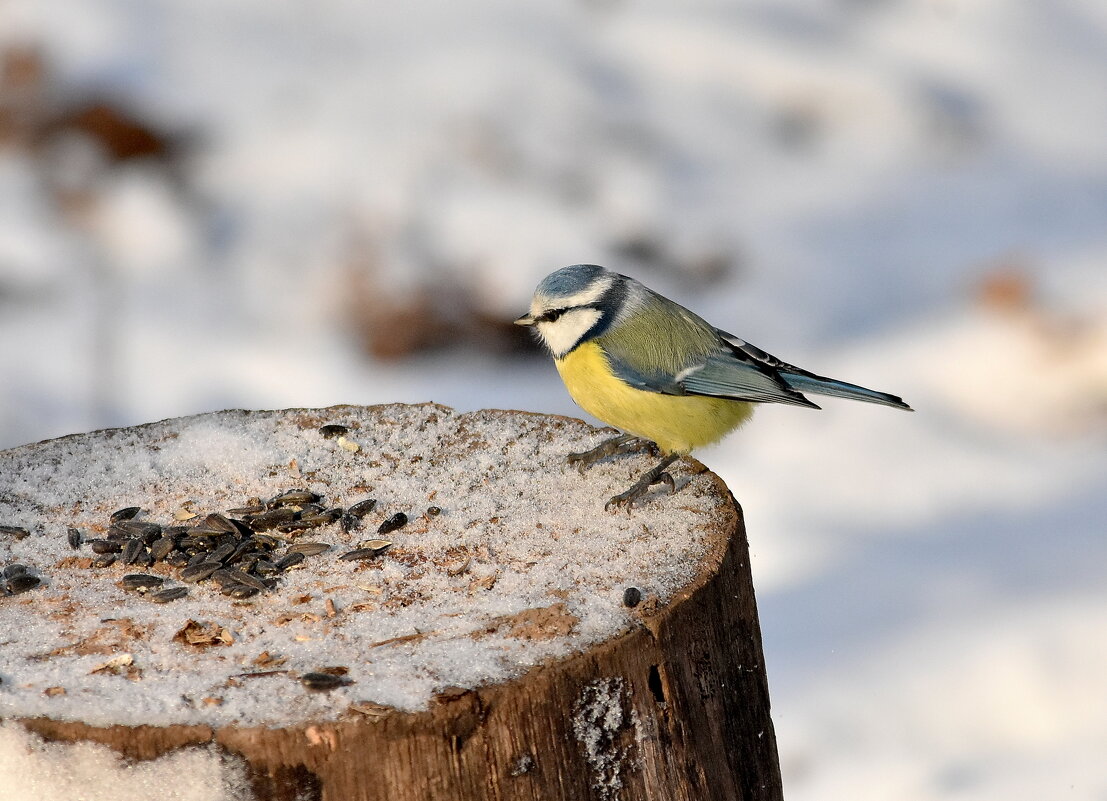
668	379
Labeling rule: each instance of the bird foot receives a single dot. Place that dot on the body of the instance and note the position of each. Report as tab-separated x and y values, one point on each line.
624	443
658	475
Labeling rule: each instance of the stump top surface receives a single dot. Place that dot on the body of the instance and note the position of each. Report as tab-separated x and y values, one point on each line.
521	566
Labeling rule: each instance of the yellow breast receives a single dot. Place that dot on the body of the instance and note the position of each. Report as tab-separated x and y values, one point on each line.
677	423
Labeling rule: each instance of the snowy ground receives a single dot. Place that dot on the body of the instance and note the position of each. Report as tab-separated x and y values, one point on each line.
911	195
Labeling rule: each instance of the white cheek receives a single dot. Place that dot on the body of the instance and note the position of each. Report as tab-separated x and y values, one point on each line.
562	334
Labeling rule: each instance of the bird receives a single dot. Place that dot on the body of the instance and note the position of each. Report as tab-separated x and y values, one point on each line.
662	375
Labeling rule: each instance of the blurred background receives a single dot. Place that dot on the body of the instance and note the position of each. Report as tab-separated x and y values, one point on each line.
276	203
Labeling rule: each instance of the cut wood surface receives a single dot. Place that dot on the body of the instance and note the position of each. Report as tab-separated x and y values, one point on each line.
536	683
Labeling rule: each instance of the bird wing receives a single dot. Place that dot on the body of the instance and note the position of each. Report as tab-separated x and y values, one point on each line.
802	380
667	349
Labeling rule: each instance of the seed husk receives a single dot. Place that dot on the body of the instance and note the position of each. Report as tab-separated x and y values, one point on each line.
350	523
127	513
22	583
141	582
332	430
246	511
322	682
397	521
362	508
434	511
14	569
16	532
632	596
105	560
171	594
199	572
375	544
74	537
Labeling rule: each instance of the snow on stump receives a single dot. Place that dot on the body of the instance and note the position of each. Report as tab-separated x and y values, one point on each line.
390	602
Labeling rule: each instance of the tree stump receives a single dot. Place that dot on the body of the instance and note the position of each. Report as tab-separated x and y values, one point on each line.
483	640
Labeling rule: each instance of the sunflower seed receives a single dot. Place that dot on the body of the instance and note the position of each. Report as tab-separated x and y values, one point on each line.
104	560
371	548
397	521
22	583
240	591
263	567
135	528
289	560
362	508
131	551
162	548
105	546
293	498
270	519
322	682
332	430
222	552
171	594
125	514
14	570
224	578
177	559
74	537
141	582
246	511
17	532
309	548
434	511
292	526
250	581
632	596
199	572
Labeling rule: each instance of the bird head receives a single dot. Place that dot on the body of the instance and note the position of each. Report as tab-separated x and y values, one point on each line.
574	304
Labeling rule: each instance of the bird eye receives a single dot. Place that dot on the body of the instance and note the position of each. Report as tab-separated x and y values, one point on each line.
551	315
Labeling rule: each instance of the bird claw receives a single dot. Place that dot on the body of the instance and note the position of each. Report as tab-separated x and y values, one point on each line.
609	447
659	475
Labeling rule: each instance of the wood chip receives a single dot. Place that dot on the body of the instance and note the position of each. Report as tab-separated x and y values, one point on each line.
203	634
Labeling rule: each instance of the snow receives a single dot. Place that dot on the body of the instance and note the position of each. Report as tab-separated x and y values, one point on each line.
930	585
35	770
508	571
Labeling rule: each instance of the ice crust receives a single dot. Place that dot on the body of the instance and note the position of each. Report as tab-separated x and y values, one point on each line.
518	530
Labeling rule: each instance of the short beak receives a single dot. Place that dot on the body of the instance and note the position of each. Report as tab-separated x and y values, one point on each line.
526	319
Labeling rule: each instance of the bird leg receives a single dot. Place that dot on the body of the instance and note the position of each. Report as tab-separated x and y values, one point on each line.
657	475
624	443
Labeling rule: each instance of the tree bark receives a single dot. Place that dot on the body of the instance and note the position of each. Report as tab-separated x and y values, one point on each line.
676	709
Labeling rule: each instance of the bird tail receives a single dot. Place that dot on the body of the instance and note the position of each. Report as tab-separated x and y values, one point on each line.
818	385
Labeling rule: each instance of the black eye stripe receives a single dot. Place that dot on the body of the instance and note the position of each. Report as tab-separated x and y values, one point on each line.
550	315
